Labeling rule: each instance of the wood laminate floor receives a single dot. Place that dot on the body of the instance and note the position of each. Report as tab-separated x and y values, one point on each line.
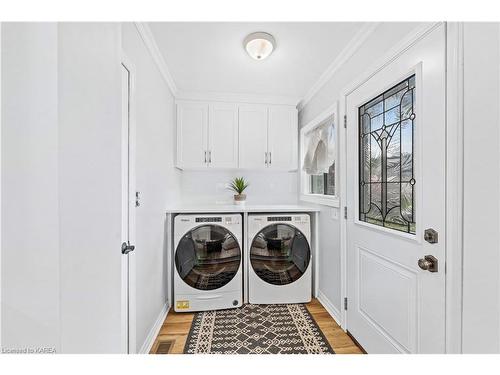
176	327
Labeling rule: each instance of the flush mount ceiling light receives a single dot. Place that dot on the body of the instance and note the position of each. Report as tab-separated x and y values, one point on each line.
259	45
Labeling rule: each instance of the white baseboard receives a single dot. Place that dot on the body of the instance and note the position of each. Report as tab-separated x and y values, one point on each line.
329	306
155	329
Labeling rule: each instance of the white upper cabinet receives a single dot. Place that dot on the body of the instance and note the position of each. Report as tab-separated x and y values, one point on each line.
268	137
192	135
253	136
228	136
223	136
282	138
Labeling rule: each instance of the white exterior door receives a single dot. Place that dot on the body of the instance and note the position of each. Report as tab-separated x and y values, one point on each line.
252	136
282	138
395	191
192	133
223	136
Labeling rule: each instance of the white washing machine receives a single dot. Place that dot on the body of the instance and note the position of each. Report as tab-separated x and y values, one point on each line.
207	262
280	261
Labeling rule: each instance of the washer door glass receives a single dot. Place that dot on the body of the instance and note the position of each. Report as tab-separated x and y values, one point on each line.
208	257
280	254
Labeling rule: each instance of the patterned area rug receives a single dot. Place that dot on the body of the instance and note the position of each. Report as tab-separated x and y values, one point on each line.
257	329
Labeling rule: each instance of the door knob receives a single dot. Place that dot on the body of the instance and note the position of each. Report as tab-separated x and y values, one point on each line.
127	248
428	263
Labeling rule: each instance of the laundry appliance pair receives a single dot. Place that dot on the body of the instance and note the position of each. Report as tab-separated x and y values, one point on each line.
209	253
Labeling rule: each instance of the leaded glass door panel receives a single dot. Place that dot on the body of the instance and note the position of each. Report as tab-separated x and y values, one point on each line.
386	168
395	190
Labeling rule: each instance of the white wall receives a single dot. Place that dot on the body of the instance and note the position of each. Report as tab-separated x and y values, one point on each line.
481	239
61	187
30	222
90	186
375	47
157	180
209	187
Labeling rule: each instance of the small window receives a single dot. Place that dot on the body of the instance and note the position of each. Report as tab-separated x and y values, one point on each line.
318	165
323	183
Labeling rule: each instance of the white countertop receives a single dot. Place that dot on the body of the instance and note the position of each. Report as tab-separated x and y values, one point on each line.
216	208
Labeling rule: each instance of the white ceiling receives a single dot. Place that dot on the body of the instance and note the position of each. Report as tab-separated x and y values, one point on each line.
209	57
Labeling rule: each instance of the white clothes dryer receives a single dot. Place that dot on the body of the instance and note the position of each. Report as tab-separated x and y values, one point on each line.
280	261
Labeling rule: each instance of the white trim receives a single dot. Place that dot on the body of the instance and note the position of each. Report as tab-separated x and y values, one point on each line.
354	44
330	307
454	185
322	199
499	202
152	46
155	330
230	97
342	173
0	184
405	44
129	176
330	111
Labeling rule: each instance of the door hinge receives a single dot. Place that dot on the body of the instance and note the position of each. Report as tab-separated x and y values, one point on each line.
345	212
345	303
345	121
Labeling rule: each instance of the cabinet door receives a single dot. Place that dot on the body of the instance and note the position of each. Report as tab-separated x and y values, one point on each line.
282	138
252	136
192	128
223	136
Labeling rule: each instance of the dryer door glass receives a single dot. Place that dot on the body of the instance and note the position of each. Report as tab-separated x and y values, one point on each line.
208	257
280	254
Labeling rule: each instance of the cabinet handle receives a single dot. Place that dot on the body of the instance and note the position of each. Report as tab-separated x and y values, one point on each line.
266	158
209	156
270	161
205	156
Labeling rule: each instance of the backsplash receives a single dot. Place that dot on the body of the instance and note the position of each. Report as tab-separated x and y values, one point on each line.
265	187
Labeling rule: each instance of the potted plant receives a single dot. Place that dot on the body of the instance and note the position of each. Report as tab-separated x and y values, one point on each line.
238	185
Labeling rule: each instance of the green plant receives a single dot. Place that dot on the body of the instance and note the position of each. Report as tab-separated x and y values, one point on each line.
238	185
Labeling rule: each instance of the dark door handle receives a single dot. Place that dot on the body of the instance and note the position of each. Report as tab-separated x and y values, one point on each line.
127	248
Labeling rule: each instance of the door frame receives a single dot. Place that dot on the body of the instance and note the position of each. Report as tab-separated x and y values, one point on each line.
454	172
128	268
1	304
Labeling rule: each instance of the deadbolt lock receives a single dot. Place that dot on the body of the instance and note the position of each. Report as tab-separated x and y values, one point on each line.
428	263
431	236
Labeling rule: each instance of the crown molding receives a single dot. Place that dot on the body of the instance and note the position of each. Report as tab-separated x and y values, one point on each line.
150	42
236	98
354	44
404	44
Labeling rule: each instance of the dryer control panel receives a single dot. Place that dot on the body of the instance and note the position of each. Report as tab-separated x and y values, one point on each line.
293	219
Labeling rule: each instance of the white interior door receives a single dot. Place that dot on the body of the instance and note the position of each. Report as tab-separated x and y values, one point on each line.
395	191
192	129
252	136
282	138
223	136
128	210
